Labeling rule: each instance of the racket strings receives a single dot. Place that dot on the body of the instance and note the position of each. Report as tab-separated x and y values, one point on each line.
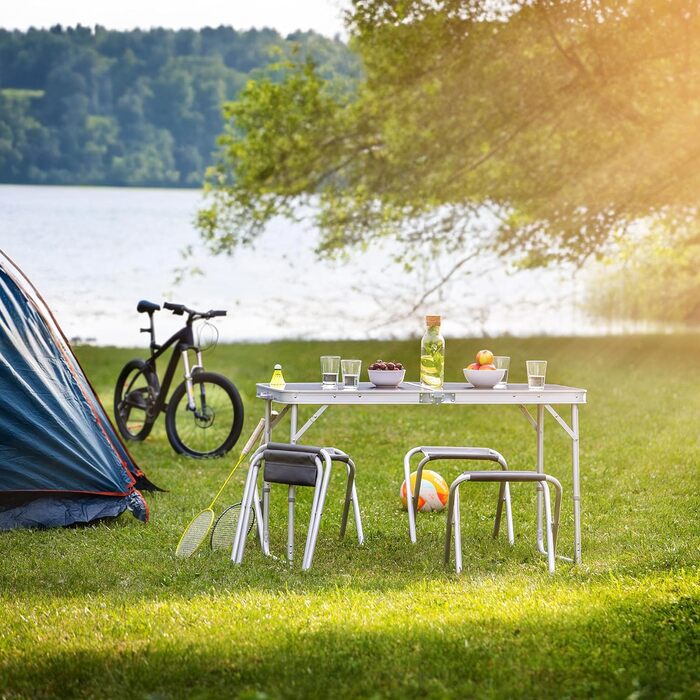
225	527
195	534
198	529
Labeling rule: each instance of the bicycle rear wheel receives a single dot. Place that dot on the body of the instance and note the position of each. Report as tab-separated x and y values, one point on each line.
134	398
212	426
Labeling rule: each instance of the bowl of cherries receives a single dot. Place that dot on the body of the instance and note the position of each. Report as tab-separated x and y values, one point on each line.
386	374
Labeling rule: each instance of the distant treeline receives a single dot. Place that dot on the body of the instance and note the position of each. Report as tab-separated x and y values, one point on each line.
95	106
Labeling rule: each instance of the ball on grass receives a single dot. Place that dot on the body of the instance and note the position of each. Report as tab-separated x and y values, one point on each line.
433	491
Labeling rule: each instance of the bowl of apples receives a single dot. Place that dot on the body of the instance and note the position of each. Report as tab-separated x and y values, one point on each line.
386	374
483	374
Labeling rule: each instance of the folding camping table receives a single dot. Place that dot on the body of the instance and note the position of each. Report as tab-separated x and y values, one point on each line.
294	395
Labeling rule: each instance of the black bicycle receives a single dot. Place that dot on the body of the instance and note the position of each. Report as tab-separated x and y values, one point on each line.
204	415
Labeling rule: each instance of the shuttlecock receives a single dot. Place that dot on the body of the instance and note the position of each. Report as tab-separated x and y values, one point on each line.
277	381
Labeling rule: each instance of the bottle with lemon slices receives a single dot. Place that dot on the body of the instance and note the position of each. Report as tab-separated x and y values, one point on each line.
432	355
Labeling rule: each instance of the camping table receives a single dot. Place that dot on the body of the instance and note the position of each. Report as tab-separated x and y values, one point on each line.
294	395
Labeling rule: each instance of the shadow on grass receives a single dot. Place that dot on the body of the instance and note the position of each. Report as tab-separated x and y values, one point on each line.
614	651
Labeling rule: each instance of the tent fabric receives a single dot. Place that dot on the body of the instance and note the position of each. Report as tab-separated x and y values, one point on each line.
60	512
55	437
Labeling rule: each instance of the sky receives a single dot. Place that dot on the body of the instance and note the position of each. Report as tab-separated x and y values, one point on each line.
286	16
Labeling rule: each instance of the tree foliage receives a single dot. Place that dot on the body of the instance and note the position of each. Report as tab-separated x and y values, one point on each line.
80	105
568	120
654	276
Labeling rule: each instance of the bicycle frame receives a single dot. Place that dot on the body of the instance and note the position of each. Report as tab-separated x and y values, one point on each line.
183	340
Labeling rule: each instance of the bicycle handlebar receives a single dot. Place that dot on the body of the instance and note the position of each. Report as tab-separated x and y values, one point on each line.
180	309
177	309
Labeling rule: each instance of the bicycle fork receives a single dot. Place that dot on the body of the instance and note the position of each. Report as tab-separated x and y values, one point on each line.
189	371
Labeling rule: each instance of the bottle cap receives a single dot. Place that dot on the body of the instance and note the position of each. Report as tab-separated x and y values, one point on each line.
278	366
432	320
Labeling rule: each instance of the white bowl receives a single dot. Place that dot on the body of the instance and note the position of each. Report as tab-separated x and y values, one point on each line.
386	377
484	378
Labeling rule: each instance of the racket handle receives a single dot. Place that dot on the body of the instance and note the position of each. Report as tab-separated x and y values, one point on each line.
254	437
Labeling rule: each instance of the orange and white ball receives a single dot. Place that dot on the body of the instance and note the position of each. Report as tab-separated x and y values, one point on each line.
433	491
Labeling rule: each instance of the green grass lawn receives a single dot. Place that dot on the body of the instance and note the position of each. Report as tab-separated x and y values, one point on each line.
107	611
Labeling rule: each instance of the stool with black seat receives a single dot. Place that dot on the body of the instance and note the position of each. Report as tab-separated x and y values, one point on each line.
431	453
542	482
295	465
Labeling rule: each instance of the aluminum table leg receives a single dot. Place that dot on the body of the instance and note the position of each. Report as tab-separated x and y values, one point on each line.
540	470
291	500
576	478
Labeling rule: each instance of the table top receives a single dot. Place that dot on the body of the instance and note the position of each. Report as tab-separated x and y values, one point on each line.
414	393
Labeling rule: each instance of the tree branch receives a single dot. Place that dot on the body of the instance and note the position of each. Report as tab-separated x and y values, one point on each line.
428	292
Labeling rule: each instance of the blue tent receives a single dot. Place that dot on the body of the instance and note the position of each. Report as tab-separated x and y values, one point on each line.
61	460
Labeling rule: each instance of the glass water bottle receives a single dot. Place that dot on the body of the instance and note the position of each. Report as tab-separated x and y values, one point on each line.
432	355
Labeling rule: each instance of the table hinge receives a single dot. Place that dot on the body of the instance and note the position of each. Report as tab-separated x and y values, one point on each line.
439	397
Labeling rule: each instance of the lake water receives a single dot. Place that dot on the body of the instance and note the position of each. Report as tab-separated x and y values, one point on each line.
94	252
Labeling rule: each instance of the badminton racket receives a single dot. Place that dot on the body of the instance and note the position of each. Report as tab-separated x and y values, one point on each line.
198	529
224	529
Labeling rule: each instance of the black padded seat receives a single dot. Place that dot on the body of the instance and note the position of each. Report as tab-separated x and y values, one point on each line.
291	467
505	476
335	454
291	447
147	307
433	453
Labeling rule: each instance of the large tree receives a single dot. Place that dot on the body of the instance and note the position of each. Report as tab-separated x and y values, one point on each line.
567	121
98	106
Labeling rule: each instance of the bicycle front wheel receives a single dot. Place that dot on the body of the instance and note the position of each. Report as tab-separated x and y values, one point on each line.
211	426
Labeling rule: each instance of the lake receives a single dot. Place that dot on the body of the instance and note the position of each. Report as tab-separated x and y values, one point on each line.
94	252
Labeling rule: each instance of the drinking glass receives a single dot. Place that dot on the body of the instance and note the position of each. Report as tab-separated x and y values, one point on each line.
536	371
351	373
502	362
330	366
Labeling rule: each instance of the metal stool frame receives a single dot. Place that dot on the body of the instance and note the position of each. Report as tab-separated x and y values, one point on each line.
433	453
323	458
541	480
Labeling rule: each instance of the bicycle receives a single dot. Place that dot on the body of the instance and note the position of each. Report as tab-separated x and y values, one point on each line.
204	415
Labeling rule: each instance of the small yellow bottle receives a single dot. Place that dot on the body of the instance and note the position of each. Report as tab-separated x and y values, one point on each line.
277	380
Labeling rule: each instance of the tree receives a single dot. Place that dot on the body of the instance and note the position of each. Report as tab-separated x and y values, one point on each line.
568	120
81	105
654	276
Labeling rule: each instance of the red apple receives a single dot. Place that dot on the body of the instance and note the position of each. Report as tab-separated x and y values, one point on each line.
488	366
473	365
484	357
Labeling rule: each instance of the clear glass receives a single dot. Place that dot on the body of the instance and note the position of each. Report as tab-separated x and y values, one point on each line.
432	358
536	372
330	367
502	362
351	373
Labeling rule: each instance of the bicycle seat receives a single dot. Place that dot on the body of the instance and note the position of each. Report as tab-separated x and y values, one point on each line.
147	307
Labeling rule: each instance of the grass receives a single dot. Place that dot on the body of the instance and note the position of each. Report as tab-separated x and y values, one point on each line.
107	611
